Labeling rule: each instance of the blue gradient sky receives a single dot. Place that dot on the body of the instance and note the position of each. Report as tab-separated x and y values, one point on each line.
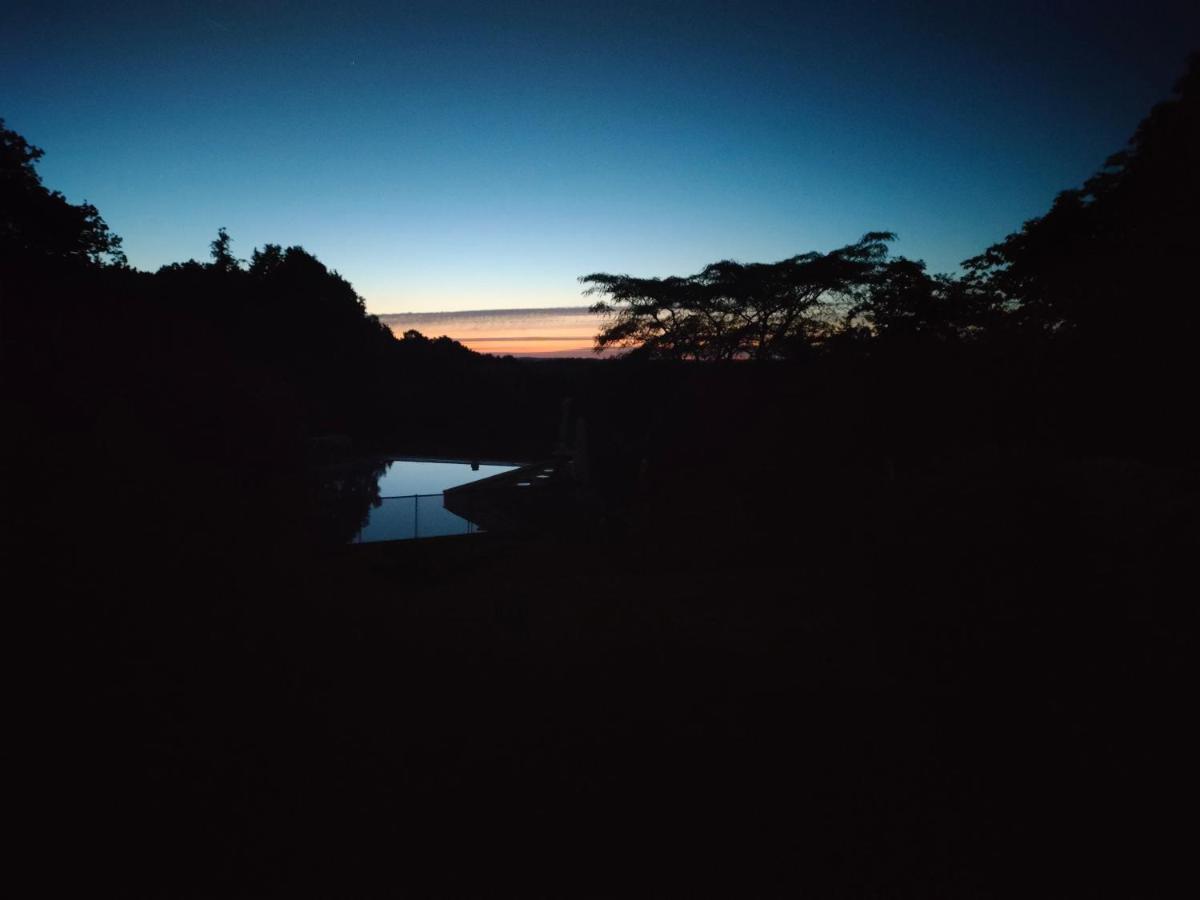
479	155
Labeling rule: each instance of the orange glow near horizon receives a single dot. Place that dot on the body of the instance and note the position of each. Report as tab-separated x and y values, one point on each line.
518	346
551	332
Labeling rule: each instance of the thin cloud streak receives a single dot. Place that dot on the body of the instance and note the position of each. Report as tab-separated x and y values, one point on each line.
560	332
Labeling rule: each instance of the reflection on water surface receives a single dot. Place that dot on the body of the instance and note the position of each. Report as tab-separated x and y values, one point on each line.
400	499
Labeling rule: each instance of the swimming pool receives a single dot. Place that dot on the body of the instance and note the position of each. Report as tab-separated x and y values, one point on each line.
407	502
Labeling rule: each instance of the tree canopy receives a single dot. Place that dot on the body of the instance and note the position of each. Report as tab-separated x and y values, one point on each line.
905	302
1112	258
38	225
736	310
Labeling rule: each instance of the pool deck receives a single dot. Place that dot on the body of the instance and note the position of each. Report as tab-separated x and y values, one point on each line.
517	500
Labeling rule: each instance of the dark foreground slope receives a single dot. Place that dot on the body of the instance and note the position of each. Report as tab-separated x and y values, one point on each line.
964	681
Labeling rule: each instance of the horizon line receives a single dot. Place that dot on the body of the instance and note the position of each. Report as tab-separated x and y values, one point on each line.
477	340
514	309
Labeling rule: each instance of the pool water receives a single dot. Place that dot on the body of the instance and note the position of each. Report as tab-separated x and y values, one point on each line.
404	477
409	503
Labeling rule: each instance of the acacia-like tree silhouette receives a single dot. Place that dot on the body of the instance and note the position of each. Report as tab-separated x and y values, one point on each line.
737	310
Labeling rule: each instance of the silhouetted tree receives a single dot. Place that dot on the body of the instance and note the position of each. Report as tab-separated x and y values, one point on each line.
731	310
265	261
905	301
1114	259
223	259
1102	291
38	225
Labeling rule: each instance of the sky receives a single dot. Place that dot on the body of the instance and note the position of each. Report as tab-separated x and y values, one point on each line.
545	332
461	156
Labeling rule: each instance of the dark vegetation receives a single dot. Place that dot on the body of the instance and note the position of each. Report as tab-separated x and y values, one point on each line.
887	586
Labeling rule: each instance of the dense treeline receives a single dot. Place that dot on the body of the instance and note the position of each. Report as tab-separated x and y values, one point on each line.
1080	325
223	379
192	400
1073	332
